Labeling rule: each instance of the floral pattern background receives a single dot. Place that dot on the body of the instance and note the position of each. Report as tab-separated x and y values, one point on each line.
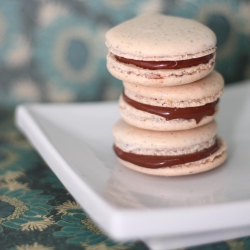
54	51
36	211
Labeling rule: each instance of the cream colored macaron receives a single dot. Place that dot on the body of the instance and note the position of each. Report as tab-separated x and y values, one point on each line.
172	108
169	153
158	50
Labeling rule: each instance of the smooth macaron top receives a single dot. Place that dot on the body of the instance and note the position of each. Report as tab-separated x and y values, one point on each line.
130	138
203	91
158	37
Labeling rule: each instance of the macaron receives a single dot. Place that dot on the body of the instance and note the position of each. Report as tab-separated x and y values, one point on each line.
158	50
166	153
172	108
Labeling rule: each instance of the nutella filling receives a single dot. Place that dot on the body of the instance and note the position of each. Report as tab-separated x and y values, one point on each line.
196	113
154	65
155	161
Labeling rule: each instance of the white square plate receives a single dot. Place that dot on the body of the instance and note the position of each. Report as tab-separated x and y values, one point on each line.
166	212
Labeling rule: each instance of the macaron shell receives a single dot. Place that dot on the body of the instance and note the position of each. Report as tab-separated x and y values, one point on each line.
201	92
145	120
209	163
159	37
133	137
157	78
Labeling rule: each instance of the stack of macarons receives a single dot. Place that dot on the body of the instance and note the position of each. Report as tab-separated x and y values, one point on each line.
171	95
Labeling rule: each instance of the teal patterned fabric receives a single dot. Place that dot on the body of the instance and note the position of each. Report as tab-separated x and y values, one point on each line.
54	51
36	211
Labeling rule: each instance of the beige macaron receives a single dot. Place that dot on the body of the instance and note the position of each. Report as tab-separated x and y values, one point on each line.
169	153
172	108
185	46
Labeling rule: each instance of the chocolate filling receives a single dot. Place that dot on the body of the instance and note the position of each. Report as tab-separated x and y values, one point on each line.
196	113
154	65
155	161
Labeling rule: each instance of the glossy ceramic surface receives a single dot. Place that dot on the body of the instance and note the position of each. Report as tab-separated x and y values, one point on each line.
76	142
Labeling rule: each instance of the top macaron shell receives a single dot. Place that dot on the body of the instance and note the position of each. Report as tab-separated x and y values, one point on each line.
130	138
198	93
160	38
